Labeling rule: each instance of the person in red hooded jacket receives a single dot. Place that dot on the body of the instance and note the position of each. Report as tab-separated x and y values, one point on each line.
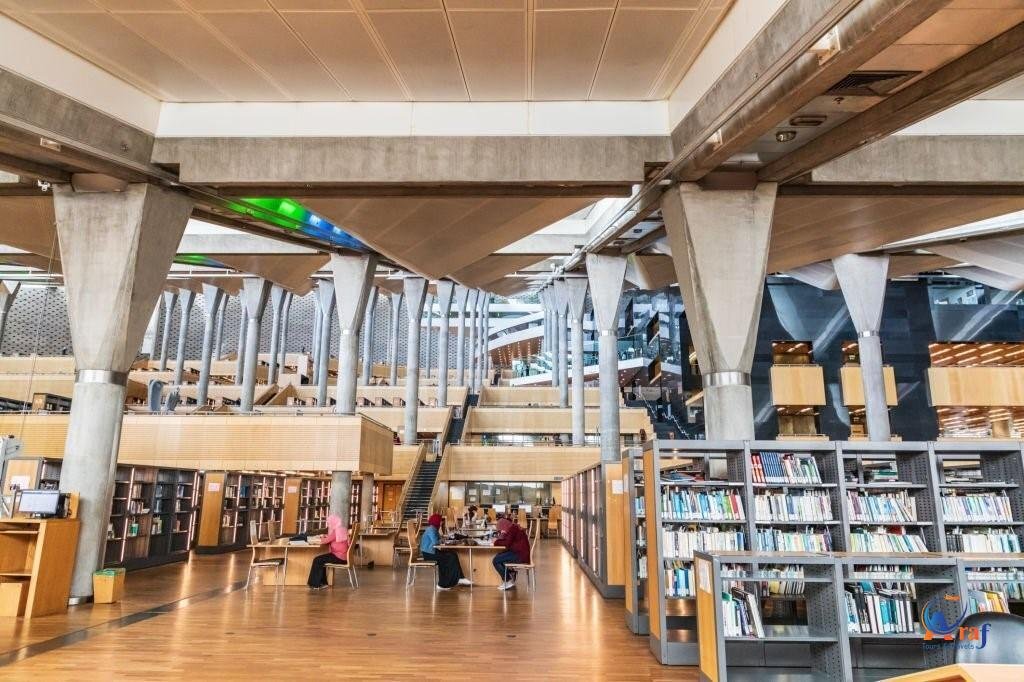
517	545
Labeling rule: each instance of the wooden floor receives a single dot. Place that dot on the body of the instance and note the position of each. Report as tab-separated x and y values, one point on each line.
383	631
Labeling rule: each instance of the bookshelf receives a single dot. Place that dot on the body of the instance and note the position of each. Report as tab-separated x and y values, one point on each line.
636	592
307	501
599	518
355	500
571	523
231	499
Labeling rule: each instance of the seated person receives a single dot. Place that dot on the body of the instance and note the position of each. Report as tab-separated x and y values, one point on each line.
517	545
337	538
449	570
470	517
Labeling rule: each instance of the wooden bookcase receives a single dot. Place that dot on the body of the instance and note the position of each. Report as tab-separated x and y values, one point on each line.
599	520
36	565
307	501
636	592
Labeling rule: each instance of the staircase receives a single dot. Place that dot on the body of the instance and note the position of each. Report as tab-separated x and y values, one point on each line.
417	500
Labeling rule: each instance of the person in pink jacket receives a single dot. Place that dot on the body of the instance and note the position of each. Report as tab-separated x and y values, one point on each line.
337	538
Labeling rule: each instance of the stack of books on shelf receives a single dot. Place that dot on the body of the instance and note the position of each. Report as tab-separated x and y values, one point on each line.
807	505
982	540
772	467
986	601
680	543
877	610
640	506
1008	582
882	572
986	507
681	504
890	507
742	616
807	540
861	540
783	580
679	579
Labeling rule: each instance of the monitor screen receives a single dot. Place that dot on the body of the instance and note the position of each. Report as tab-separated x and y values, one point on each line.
528	508
499	509
39	501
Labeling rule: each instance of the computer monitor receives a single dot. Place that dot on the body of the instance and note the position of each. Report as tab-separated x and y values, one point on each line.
528	508
42	502
499	509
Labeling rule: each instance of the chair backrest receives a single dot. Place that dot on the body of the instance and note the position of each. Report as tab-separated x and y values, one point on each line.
521	517
534	538
414	547
555	514
1003	639
272	530
353	538
254	532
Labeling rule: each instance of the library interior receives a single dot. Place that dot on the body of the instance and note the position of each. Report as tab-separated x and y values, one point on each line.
574	339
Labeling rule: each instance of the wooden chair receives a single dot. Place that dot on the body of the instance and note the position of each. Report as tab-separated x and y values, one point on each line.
521	518
554	519
416	560
256	563
530	568
350	565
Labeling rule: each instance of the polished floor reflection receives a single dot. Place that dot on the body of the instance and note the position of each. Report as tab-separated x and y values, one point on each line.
380	631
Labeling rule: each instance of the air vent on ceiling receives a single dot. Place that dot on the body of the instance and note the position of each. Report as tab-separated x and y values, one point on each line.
871	83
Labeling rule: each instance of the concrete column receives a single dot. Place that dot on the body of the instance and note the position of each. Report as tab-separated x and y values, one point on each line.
170	298
341	495
218	344
257	291
277	296
445	294
396	309
474	296
325	294
415	292
285	318
366	501
430	332
148	339
8	290
186	298
673	329
561	300
606	274
211	304
863	280
367	337
544	306
314	343
462	295
243	325
116	250
481	349
719	241
576	295
554	345
353	281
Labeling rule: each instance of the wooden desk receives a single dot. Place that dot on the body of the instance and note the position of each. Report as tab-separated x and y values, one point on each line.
37	557
298	560
378	546
966	672
476	562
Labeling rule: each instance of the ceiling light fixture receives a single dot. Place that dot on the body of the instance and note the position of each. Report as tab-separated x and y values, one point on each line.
785	136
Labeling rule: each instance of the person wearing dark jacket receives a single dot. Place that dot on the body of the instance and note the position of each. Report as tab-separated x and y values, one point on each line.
517	551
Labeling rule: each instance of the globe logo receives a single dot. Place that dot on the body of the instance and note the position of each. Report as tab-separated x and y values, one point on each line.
935	620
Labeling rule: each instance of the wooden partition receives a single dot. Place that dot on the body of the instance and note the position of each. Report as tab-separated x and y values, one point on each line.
802	385
37	364
549	420
504	463
24	386
435	420
526	396
403	460
853	387
331	442
976	386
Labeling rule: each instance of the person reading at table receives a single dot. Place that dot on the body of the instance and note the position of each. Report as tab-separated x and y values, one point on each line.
337	538
517	551
449	570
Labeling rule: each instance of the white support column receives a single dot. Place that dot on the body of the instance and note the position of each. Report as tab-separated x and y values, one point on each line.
863	280
277	297
462	295
341	495
211	304
445	294
474	297
243	325
170	298
606	274
257	291
148	339
427	356
415	289
314	344
353	281
576	293
481	353
218	344
186	298
367	337
8	291
325	294
366	501
116	250
719	241
560	298
285	319
396	311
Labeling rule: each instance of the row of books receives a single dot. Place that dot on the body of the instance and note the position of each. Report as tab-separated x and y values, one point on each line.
987	601
997	540
640	506
1010	581
864	541
163	490
808	505
771	467
680	543
784	581
808	540
679	579
702	505
882	572
879	610
741	614
989	506
895	507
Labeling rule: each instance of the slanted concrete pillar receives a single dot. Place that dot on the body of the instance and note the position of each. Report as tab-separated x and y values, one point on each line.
445	294
673	330
325	294
211	304
481	354
863	280
462	295
366	501
285	318
243	325
353	281
257	291
719	241
186	297
430	332
561	301
605	275
341	495
415	292
8	290
367	338
148	339
218	344
545	306
277	296
170	298
314	344
474	297
116	250
396	309
576	296
553	345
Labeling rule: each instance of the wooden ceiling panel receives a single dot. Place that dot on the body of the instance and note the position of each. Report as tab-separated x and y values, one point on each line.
914	57
27	223
508	286
575	4
492	268
912	264
341	41
46	6
702	28
394	5
291	271
139	5
422	50
963	26
567	50
636	51
271	45
229	5
311	5
492	49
